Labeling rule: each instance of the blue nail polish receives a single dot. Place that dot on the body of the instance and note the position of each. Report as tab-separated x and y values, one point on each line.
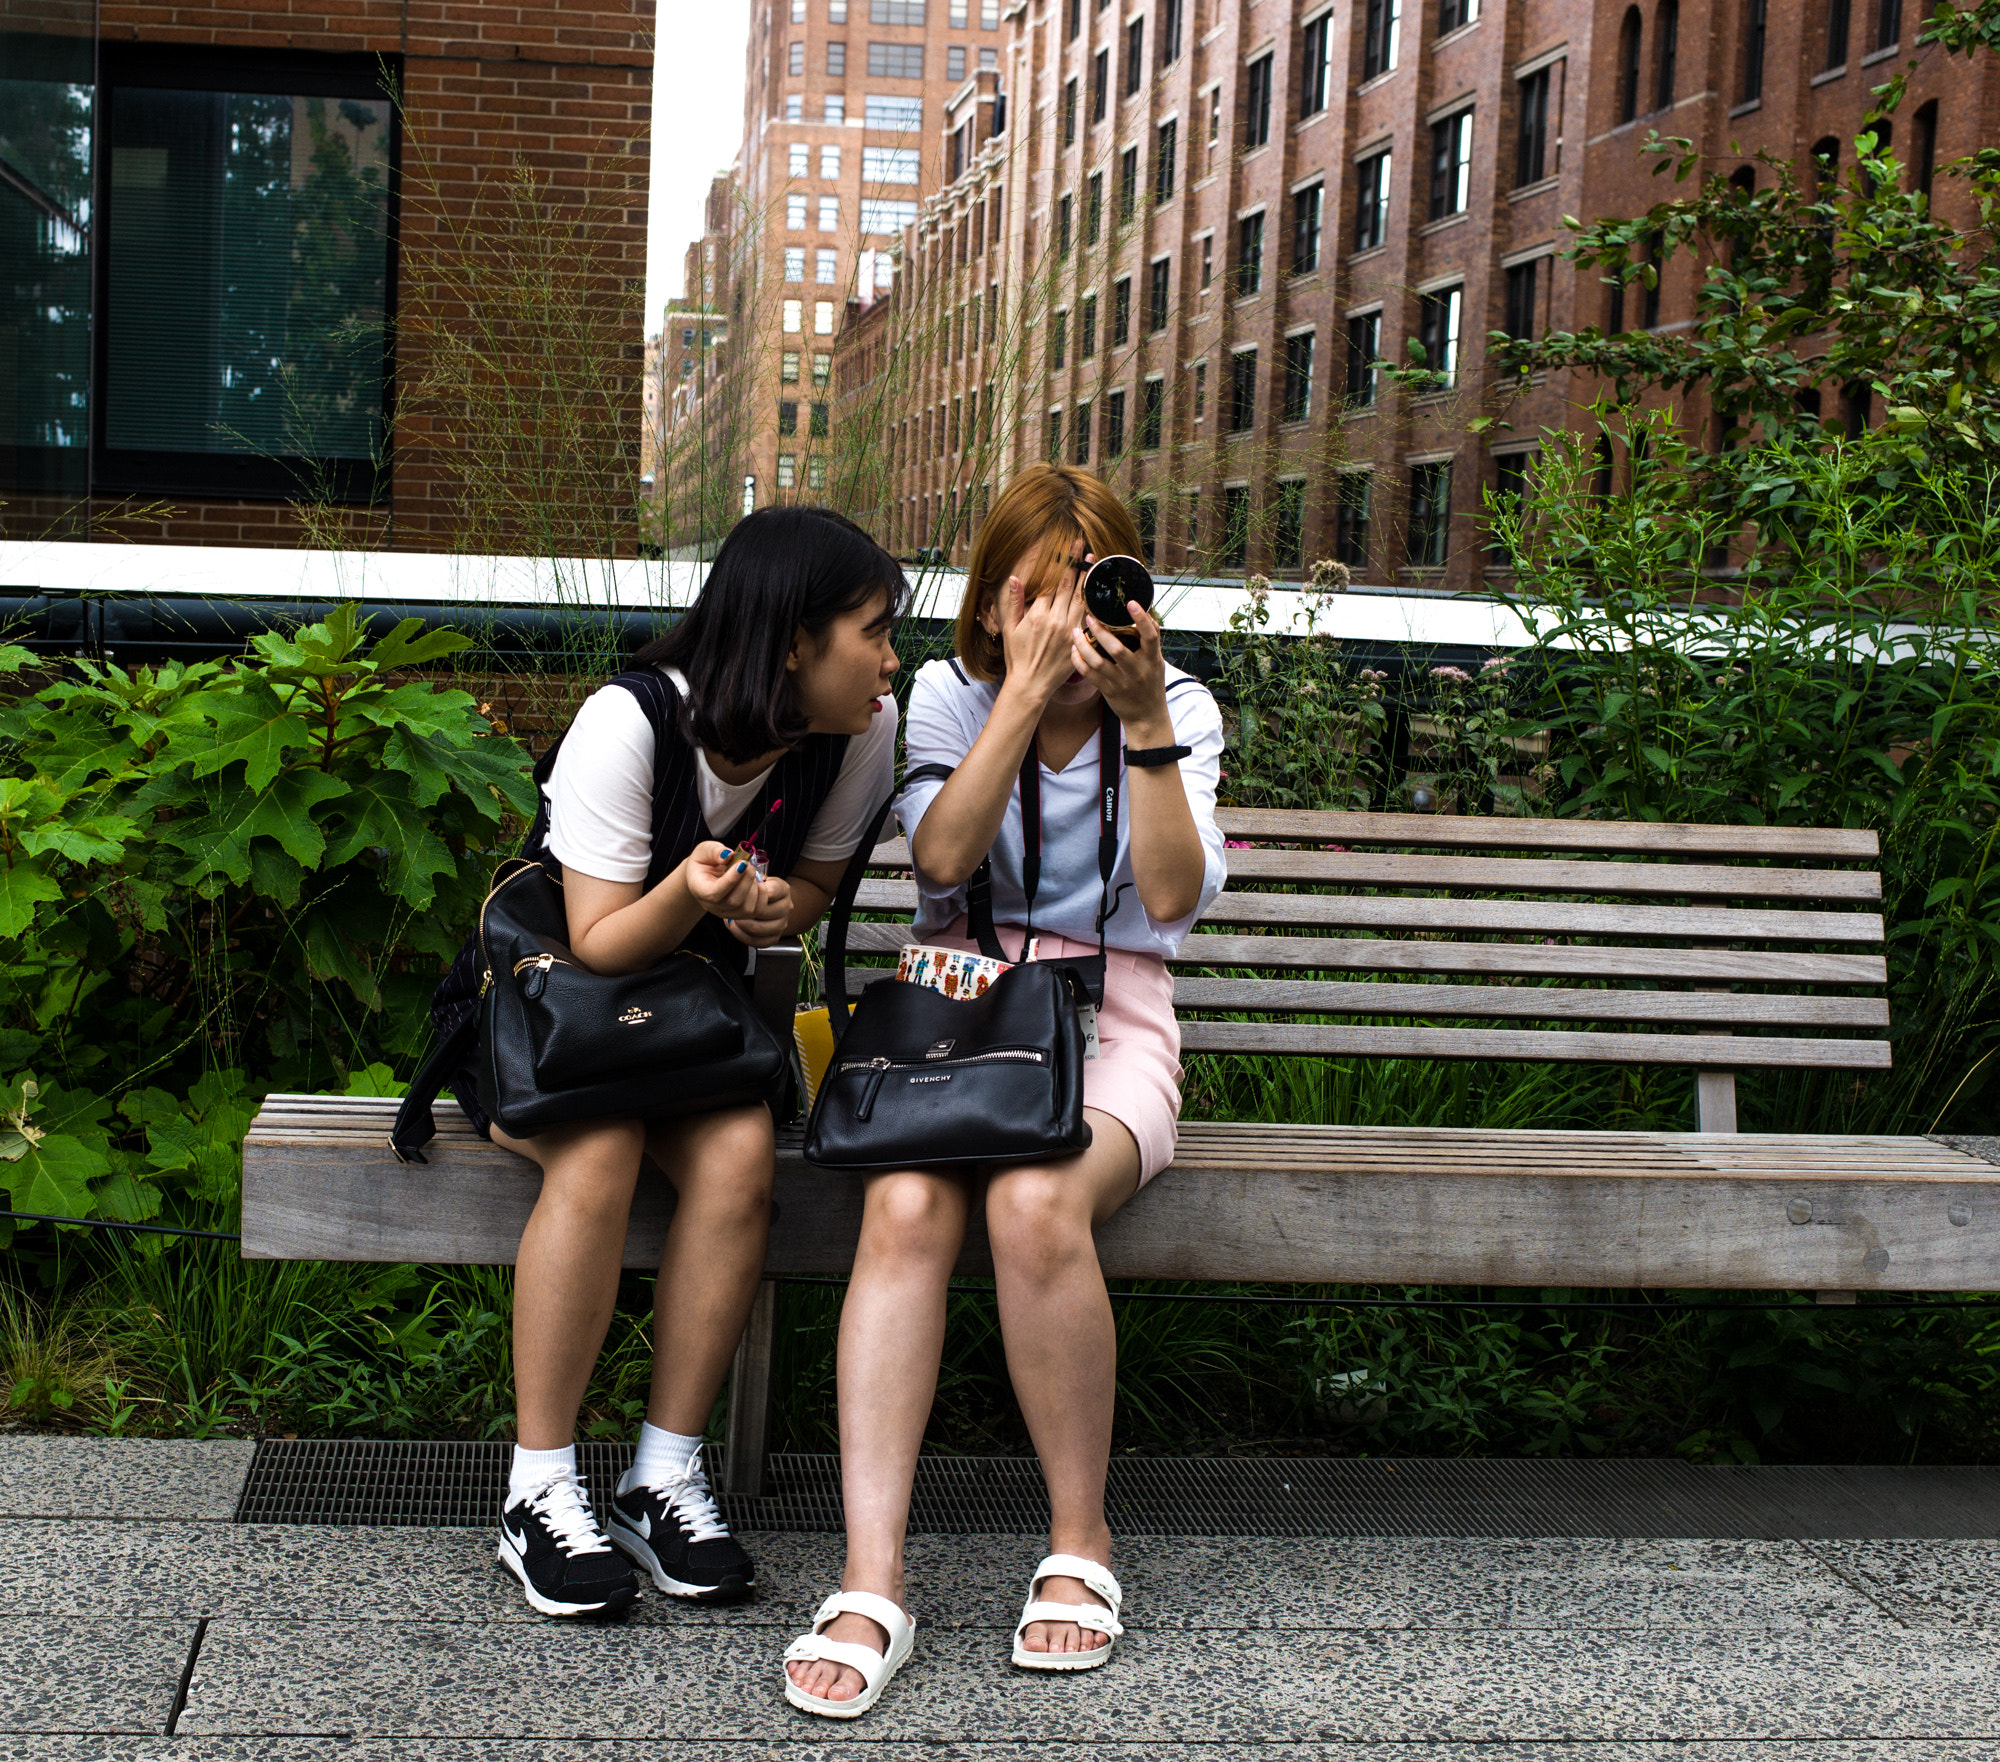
740	867
727	854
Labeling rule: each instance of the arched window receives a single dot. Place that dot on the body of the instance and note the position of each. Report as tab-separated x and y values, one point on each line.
1628	66
1927	126
1666	47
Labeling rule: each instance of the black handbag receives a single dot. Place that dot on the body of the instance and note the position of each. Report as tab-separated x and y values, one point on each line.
922	1080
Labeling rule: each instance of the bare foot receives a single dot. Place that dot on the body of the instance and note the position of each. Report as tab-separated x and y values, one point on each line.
839	1682
1064	1636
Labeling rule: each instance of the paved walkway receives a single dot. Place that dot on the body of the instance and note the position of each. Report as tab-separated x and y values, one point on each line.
122	1566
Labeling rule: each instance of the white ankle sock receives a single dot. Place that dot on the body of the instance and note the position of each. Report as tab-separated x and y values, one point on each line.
536	1468
661	1453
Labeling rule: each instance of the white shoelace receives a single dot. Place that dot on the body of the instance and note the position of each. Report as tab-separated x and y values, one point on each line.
564	1507
689	1499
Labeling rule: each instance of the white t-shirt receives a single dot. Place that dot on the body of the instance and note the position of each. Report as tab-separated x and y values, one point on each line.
601	791
947	712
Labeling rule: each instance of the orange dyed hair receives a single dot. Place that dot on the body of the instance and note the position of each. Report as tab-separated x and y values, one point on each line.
1048	505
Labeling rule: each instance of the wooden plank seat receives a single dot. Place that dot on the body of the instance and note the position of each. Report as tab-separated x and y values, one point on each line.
1397	936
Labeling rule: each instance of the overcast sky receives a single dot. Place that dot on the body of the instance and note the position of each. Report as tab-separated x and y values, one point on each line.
697	123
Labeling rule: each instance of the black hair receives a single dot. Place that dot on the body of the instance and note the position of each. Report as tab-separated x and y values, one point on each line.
780	570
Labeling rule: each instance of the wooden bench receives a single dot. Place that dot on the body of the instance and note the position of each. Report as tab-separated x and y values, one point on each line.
1724	949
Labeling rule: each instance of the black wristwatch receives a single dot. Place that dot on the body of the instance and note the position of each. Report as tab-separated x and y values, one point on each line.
1146	757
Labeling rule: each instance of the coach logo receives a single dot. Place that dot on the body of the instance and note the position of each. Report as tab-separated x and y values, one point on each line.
941	1049
635	1015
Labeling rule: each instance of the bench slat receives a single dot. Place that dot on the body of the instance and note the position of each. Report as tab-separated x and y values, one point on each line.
1501	959
1462	831
1710	1051
1451	912
1576	1209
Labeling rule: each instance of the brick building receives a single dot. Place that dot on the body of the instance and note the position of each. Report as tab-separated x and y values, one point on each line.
216	217
1215	215
841	139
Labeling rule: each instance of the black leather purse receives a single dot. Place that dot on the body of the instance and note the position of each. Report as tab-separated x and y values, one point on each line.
921	1080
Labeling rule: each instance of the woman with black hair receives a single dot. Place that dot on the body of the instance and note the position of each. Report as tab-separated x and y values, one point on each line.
712	797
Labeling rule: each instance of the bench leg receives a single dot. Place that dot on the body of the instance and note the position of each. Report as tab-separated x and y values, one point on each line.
750	1397
1715	1101
1833	1297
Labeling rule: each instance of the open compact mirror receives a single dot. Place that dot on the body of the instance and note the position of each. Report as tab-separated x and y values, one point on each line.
1110	583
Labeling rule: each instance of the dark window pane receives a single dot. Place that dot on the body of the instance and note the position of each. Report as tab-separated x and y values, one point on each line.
1430	514
1305	229
1531	144
1364	339
1350	517
1288	529
1236	524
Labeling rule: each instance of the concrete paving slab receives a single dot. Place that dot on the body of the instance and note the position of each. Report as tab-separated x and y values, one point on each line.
1927	1584
300	1572
152	1479
812	1747
1232	1688
83	1675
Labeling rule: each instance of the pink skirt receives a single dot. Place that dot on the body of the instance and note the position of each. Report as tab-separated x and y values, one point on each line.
1136	1077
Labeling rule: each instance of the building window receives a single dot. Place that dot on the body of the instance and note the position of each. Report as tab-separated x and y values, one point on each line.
1888	23
1316	65
1351	496
1063	207
1927	131
1430	513
1451	165
798	11
1147	511
687	367
1200	390
1135	56
795	213
1510	488
1666	52
1453	13
1288	529
1438	315
825	268
816	472
1156	295
895	11
836	60
829	214
798	159
1249	255
896	61
1058	341
795	316
833	108
788	416
822	318
880	215
890	165
822	369
1836	33
1100	84
1207	258
1521	286
1371	201
1069	112
989	15
1649	282
1242	390
1364	349
954	62
795	263
1754	26
1531	146
1306	205
1629	35
1114	424
1163	161
220	369
1257	102
1170	32
893	115
1121	311
959	15
1236	523
1214	115
1093	207
1298	376
788	470
1052	437
829	162
1128	183
795	107
1079	434
1152	412
795	60
1073	28
1381	26
819	420
1086	329
836	11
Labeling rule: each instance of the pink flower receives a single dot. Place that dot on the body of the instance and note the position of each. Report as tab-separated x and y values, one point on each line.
1237	844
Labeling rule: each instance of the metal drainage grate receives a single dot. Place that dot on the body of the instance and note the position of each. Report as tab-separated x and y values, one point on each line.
460	1485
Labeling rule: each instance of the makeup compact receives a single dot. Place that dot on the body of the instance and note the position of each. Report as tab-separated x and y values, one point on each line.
1111	582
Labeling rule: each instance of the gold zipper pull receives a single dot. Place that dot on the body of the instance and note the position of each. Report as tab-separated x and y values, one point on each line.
485	981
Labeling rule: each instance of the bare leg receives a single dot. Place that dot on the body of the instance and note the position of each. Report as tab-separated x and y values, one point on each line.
566	1276
891	1339
721	1166
1062	1347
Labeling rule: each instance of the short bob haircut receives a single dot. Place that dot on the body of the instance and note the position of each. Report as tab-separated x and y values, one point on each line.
1050	505
780	571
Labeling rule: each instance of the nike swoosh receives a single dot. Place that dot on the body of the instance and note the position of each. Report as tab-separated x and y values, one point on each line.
643	1523
518	1543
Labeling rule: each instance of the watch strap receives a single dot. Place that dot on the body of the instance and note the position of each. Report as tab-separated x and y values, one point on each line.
1146	757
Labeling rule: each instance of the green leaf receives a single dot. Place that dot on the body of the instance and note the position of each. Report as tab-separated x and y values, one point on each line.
22	887
254	726
54	1176
405	647
284	813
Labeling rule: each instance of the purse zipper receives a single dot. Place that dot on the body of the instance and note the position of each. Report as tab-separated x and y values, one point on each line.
878	1068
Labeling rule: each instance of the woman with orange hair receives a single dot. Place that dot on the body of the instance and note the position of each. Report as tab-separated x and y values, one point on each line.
1033	671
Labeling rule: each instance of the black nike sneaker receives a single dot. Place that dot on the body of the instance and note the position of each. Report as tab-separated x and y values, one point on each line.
550	1542
675	1532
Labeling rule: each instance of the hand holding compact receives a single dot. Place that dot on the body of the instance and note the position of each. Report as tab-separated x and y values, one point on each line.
1133	681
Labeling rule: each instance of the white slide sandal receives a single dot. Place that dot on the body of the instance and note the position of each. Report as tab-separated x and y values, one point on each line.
874	1668
1086	1615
